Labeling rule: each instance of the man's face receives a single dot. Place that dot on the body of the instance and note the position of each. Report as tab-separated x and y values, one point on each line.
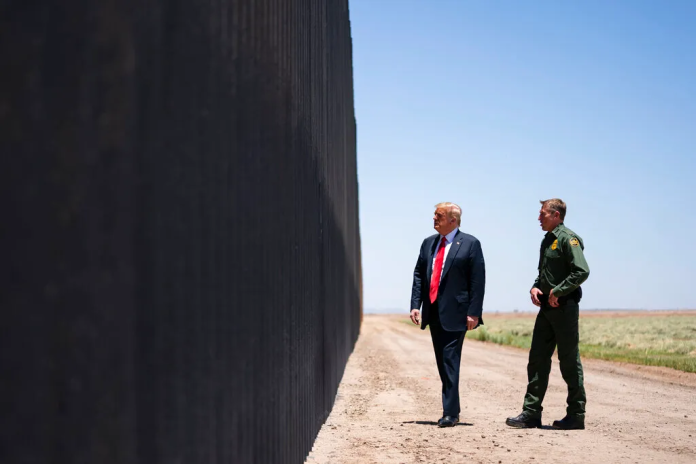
443	222
549	219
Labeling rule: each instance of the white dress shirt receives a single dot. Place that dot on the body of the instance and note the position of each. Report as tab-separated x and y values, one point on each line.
449	238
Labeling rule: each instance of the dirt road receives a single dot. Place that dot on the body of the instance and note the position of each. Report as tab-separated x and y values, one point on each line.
389	400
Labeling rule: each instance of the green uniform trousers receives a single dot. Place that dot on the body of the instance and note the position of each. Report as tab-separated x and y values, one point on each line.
555	327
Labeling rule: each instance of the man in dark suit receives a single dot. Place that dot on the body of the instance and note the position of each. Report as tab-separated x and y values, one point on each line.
449	281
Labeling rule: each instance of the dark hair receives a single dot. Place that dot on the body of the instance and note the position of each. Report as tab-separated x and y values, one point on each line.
555	204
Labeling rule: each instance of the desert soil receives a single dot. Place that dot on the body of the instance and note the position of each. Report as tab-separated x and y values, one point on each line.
389	401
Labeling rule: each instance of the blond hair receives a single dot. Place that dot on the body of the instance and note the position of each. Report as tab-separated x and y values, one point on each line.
555	204
453	210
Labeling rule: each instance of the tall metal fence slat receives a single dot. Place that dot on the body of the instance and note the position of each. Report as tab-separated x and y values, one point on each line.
181	278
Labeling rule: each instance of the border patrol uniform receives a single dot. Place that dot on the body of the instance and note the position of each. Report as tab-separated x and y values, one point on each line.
562	268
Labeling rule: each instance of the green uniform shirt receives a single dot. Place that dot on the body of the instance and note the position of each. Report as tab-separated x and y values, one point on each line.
562	265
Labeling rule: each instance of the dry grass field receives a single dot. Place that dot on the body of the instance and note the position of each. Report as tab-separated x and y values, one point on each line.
653	338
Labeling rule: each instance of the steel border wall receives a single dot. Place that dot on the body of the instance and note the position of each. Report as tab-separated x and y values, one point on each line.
181	278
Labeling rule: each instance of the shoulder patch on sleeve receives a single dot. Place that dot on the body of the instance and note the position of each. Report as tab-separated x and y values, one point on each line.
574	242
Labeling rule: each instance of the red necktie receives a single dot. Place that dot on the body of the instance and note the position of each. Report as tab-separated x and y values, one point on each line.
437	271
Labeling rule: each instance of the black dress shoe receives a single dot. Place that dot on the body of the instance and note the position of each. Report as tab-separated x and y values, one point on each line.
524	421
570	423
448	421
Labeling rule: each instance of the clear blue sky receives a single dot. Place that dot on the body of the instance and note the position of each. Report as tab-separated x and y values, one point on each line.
495	105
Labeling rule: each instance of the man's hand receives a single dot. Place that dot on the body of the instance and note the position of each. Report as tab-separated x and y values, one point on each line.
471	322
415	316
535	296
553	300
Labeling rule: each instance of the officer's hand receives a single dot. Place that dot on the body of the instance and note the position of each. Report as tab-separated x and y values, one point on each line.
471	322
535	296
553	300
415	316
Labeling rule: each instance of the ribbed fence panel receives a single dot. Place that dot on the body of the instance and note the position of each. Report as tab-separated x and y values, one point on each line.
181	278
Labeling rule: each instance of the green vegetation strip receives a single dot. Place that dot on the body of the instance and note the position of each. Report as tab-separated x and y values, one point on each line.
651	340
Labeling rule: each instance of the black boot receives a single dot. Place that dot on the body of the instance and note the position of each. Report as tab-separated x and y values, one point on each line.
570	423
525	420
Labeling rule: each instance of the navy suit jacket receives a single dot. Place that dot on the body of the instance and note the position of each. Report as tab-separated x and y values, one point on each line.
462	283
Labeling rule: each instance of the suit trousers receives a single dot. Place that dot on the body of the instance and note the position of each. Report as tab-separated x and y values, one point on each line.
448	354
555	327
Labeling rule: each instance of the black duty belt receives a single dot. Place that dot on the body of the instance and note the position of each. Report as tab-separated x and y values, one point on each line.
575	295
